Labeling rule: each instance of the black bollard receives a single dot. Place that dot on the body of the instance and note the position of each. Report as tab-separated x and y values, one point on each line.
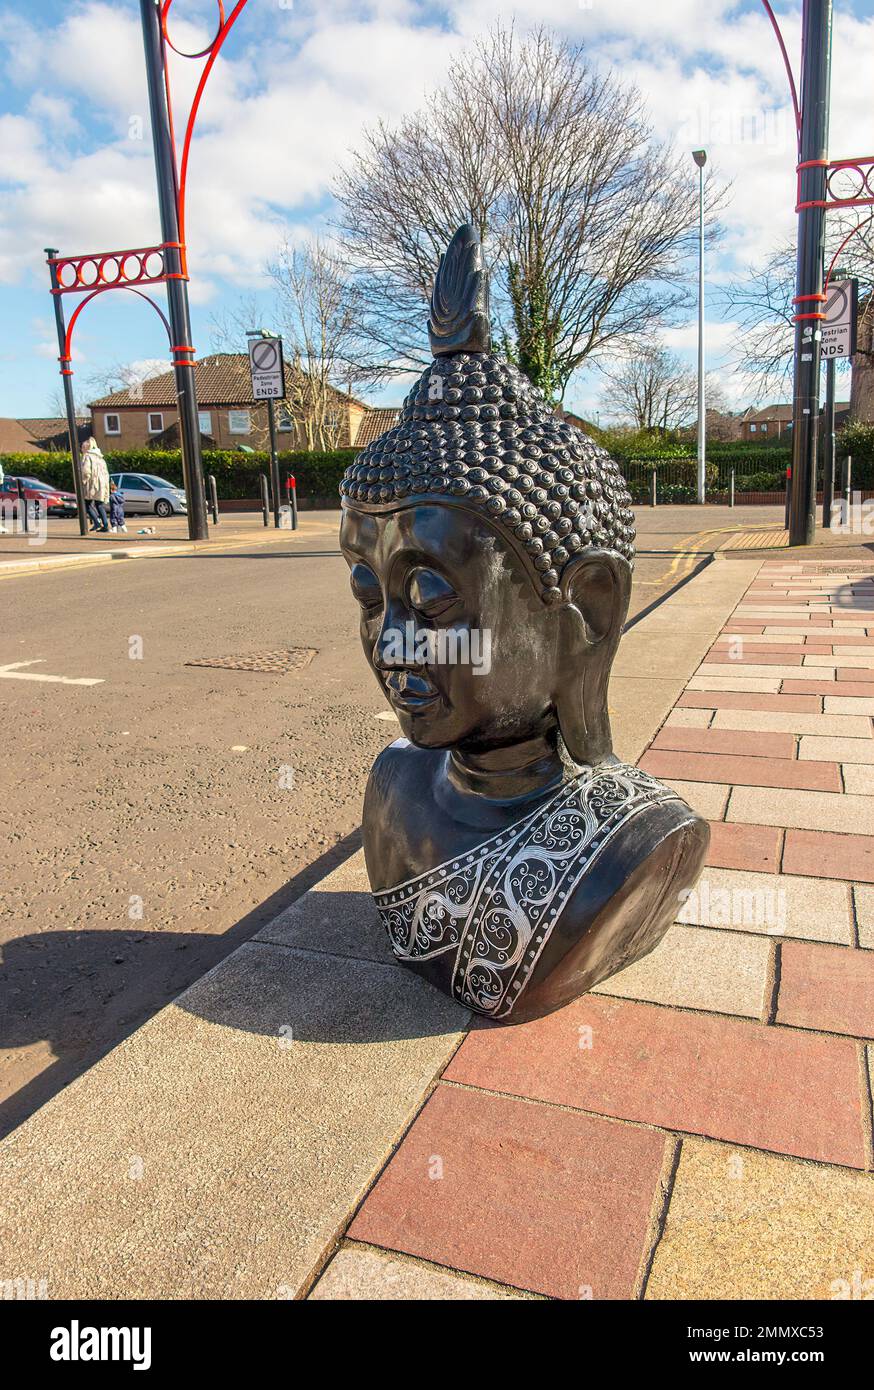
265	500
22	506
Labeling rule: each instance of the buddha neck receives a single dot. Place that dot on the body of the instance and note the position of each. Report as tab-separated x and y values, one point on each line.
508	774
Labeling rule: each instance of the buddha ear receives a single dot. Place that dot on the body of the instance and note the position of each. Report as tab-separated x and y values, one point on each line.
596	588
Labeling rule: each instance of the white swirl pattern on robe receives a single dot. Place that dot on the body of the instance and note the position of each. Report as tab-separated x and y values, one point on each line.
496	906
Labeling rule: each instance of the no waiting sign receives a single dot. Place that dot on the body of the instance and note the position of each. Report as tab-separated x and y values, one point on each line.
839	324
265	364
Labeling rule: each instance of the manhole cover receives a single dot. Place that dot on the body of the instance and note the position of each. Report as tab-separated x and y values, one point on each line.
275	663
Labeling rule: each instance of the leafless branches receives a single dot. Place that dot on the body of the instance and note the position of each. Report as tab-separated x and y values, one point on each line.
652	389
761	303
587	220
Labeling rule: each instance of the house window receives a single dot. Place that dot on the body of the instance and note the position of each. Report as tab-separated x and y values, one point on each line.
156	422
112	424
204	422
764	429
752	429
285	421
239	422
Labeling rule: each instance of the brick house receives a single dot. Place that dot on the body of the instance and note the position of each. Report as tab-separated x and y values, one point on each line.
862	387
145	415
775	421
44	436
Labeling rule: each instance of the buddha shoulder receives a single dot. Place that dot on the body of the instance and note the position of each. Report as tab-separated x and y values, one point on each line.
400	769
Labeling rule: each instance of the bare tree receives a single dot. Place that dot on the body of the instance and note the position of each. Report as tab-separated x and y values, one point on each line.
587	220
761	302
653	389
315	308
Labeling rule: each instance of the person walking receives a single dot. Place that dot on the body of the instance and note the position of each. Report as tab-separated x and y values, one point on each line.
95	484
116	508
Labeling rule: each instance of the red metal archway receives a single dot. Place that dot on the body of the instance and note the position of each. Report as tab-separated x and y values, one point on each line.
166	263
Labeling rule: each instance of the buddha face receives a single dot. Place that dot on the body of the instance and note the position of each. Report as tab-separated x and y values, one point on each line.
462	645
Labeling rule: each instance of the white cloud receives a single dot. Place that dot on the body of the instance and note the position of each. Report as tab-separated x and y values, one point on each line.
287	102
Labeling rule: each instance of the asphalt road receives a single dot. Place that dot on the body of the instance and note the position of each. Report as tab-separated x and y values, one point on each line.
155	820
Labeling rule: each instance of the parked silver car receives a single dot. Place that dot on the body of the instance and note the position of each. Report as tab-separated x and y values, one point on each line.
145	493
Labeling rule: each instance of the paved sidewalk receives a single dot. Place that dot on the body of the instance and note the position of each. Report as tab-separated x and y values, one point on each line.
312	1120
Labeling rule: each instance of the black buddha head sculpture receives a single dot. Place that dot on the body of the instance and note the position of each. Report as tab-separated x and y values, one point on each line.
491	546
514	861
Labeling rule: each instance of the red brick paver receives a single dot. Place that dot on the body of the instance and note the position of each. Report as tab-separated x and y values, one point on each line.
675	738
827	987
524	1194
775	1088
825	855
854	674
741	699
826	687
744	772
754	847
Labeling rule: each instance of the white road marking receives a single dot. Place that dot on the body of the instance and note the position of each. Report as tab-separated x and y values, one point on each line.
11	672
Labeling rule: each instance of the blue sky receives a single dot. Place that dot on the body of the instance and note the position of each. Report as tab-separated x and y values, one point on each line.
286	103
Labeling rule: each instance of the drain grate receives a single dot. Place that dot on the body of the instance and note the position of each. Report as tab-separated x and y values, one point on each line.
275	663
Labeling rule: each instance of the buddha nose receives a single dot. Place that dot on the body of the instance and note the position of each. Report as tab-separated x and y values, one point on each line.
395	646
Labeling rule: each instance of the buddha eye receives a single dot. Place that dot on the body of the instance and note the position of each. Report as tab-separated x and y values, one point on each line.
430	594
366	587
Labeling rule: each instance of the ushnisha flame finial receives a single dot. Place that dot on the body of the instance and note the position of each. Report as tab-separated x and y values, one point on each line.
459	319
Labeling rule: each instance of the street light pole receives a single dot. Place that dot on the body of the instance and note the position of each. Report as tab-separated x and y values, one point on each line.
812	197
177	285
700	158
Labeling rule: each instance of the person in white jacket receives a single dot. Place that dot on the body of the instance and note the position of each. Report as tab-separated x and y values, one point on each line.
95	484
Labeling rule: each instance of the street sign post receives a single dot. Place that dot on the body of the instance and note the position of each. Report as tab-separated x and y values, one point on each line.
840	311
268	384
265	365
839	325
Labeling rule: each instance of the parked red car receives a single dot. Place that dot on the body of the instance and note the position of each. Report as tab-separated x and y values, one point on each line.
55	501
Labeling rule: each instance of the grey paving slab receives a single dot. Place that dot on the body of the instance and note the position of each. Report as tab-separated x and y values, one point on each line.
359	1273
768	721
219	1151
754	685
693	968
814	909
837	811
337	915
864	898
689	718
707	798
837	750
858	778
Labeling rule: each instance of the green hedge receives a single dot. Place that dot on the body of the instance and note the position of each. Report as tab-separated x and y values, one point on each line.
236	475
857	439
745	459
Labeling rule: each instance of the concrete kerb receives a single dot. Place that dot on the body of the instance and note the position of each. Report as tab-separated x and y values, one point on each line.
16	568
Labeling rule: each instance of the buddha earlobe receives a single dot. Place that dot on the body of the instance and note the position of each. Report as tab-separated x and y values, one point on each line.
596	591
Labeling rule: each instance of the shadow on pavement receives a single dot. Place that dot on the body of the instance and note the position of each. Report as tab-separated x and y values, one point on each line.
53	983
